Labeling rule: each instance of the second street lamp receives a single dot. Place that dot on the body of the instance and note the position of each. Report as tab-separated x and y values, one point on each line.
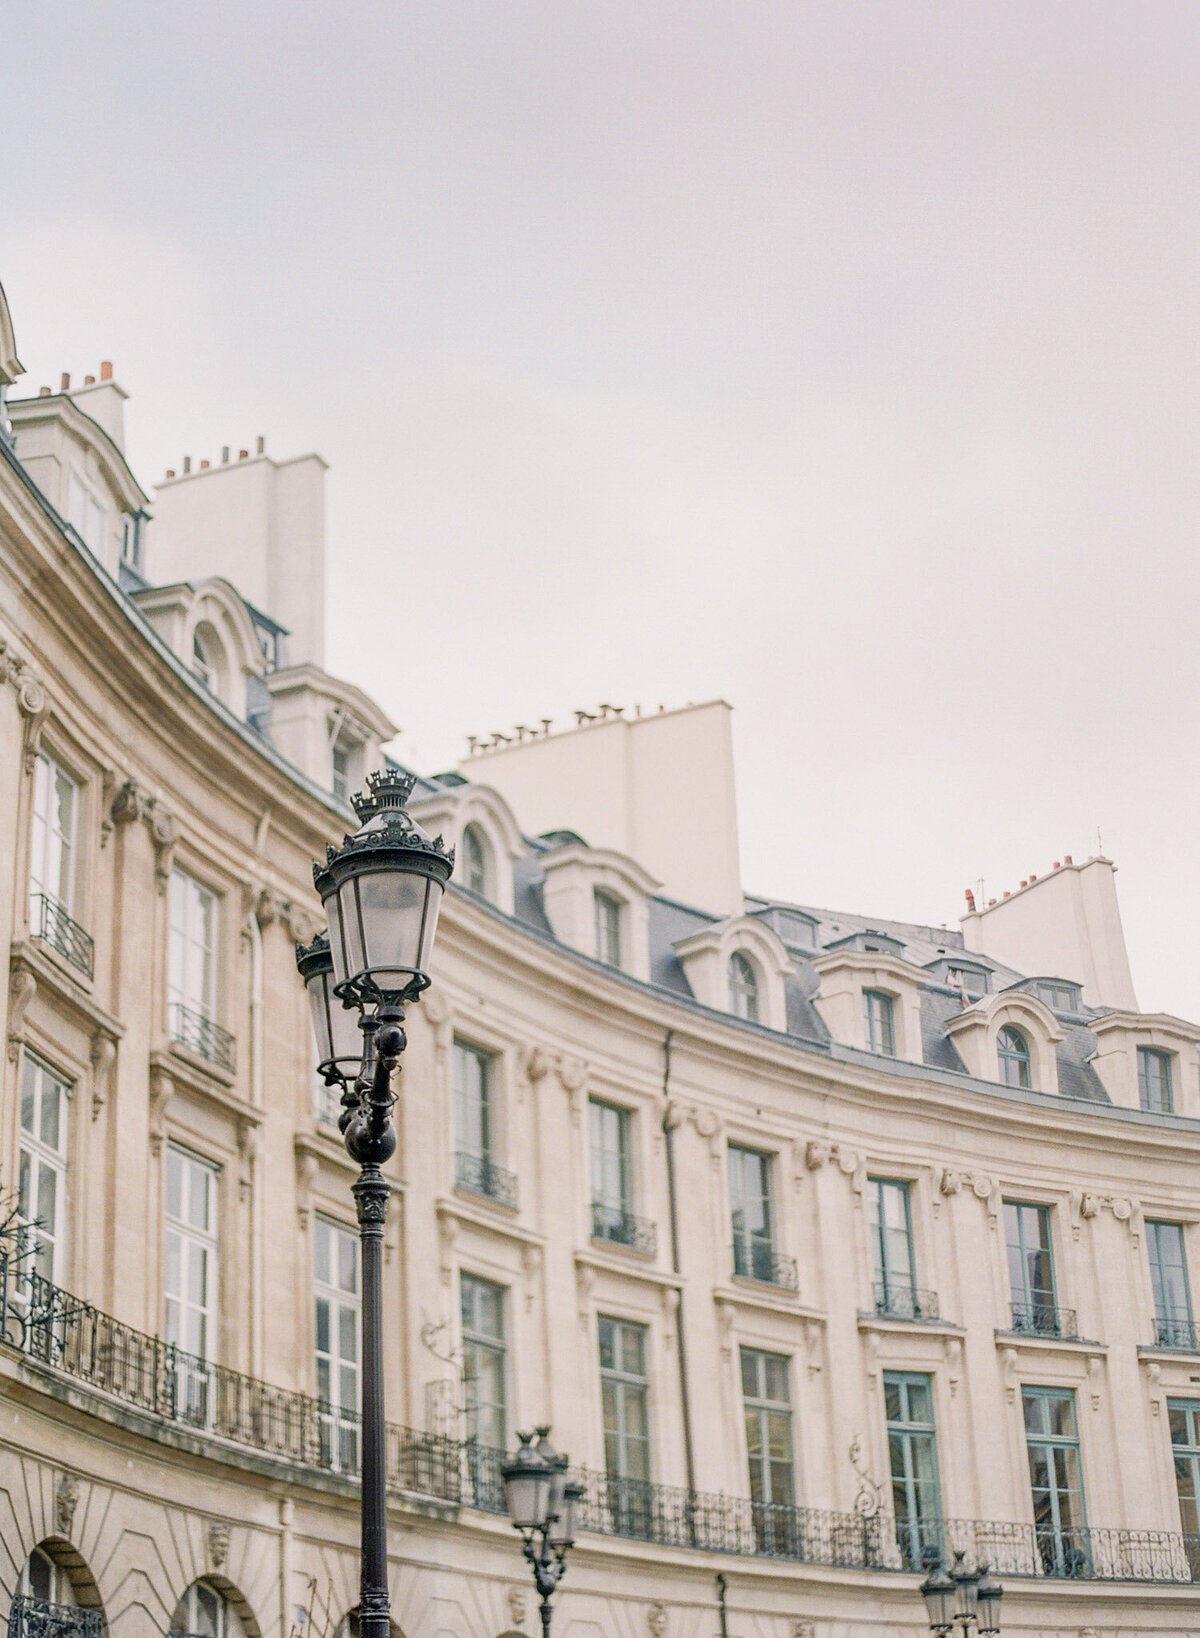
542	1503
968	1599
381	891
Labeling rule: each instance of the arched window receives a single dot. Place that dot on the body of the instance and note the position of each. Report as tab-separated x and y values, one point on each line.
43	1579
203	1612
206	663
743	987
475	860
1012	1049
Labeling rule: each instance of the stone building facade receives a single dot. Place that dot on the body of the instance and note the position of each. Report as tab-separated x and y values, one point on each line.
820	1241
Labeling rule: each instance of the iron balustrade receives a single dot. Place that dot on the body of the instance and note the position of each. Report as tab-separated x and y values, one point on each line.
905	1302
758	1260
479	1175
36	1618
199	1034
51	923
622	1228
1180	1334
1039	1319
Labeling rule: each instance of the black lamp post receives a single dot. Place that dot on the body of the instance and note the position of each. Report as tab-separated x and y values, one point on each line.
543	1504
381	890
964	1598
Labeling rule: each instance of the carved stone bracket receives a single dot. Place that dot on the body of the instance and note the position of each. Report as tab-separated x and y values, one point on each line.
307	1166
22	987
1010	1375
162	1090
132	804
819	1152
103	1056
585	1279
726	1320
517	1604
447	1235
708	1125
954	1360
656	1619
1154	1374
1095	1366
66	1499
31	700
218	1543
981	1186
249	1146
531	1263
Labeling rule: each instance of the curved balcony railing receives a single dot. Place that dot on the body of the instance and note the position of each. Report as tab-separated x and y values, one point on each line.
905	1302
622	1228
1179	1332
757	1260
50	922
1039	1319
199	1034
483	1177
36	1618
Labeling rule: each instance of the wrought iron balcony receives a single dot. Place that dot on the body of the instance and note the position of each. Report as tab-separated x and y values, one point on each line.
905	1302
481	1176
758	1260
1179	1333
1039	1319
35	1618
199	1034
622	1228
50	922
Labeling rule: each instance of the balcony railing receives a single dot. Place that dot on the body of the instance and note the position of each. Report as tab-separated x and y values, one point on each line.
1039	1319
622	1228
65	1337
199	1034
905	1302
50	922
1179	1333
480	1176
35	1618
756	1260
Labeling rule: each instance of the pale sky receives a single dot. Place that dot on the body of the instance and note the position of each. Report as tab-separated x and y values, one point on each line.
840	359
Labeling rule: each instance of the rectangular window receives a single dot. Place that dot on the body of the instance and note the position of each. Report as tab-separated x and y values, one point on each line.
751	1215
892	1248
1184	1415
612	1171
1030	1268
881	1028
1056	1484
341	771
1059	997
625	1402
191	965
52	843
42	1175
1154	1081
912	1454
484	1362
336	1289
190	1282
1173	1326
607	910
767	1405
85	513
472	1101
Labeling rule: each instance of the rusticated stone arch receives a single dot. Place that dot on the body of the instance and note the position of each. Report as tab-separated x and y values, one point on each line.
233	1596
76	1569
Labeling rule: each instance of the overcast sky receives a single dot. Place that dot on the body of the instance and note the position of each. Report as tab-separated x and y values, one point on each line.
840	359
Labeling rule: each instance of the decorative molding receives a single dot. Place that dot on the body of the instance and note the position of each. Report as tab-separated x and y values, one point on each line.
32	702
531	1263
802	1629
162	1090
299	924
726	1319
108	784
307	1167
22	987
585	1279
249	1147
954	1360
517	1604
1154	1373
447	1235
66	1499
983	1187
133	804
218	1542
103	1055
1095	1368
1009	1357
656	1619
816	1153
537	1064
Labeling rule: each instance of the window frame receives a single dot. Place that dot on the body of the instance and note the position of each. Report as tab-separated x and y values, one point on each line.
68	869
608	927
180	993
1026	1298
745	1263
474	1340
463	1051
1165	1088
1186	1453
1167	1319
879	1017
192	1366
338	1421
881	1272
907	1431
1021	1057
36	1156
477	876
1067	1558
745	990
625	1384
762	1407
598	1110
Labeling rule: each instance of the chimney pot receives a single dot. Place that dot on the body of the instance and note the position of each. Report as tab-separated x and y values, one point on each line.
1058	864
243	454
66	382
106	369
261	445
170	472
991	902
204	466
43	392
1067	859
224	453
187	465
89	380
1025	881
1033	878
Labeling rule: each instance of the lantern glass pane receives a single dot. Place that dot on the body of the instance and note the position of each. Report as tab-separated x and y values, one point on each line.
346	1035
318	999
433	903
527	1490
337	948
391	906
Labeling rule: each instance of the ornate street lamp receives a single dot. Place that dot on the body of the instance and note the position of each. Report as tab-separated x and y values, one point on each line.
543	1504
382	890
967	1598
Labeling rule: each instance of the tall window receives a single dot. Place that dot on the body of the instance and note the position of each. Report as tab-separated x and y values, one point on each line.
472	1100
625	1401
191	975
43	1579
1173	1326
52	849
751	1214
202	1612
1030	1268
767	1405
892	1247
609	1132
1052	1441
743	987
42	1176
190	1283
881	1022
336	1292
340	757
1155	1090
1012	1053
607	911
483	1357
1184	1415
912	1454
474	851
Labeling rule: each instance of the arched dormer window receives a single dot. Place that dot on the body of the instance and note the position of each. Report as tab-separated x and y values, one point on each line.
475	861
606	911
743	987
1012	1051
204	659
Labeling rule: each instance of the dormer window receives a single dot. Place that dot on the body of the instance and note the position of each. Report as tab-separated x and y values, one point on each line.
345	764
204	660
607	911
743	987
1155	1089
970	980
1059	997
881	1023
475	860
1012	1052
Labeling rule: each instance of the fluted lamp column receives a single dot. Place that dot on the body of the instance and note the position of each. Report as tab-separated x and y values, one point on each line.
381	890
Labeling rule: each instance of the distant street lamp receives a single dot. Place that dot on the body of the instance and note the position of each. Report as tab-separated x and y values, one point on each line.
381	890
969	1599
543	1504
